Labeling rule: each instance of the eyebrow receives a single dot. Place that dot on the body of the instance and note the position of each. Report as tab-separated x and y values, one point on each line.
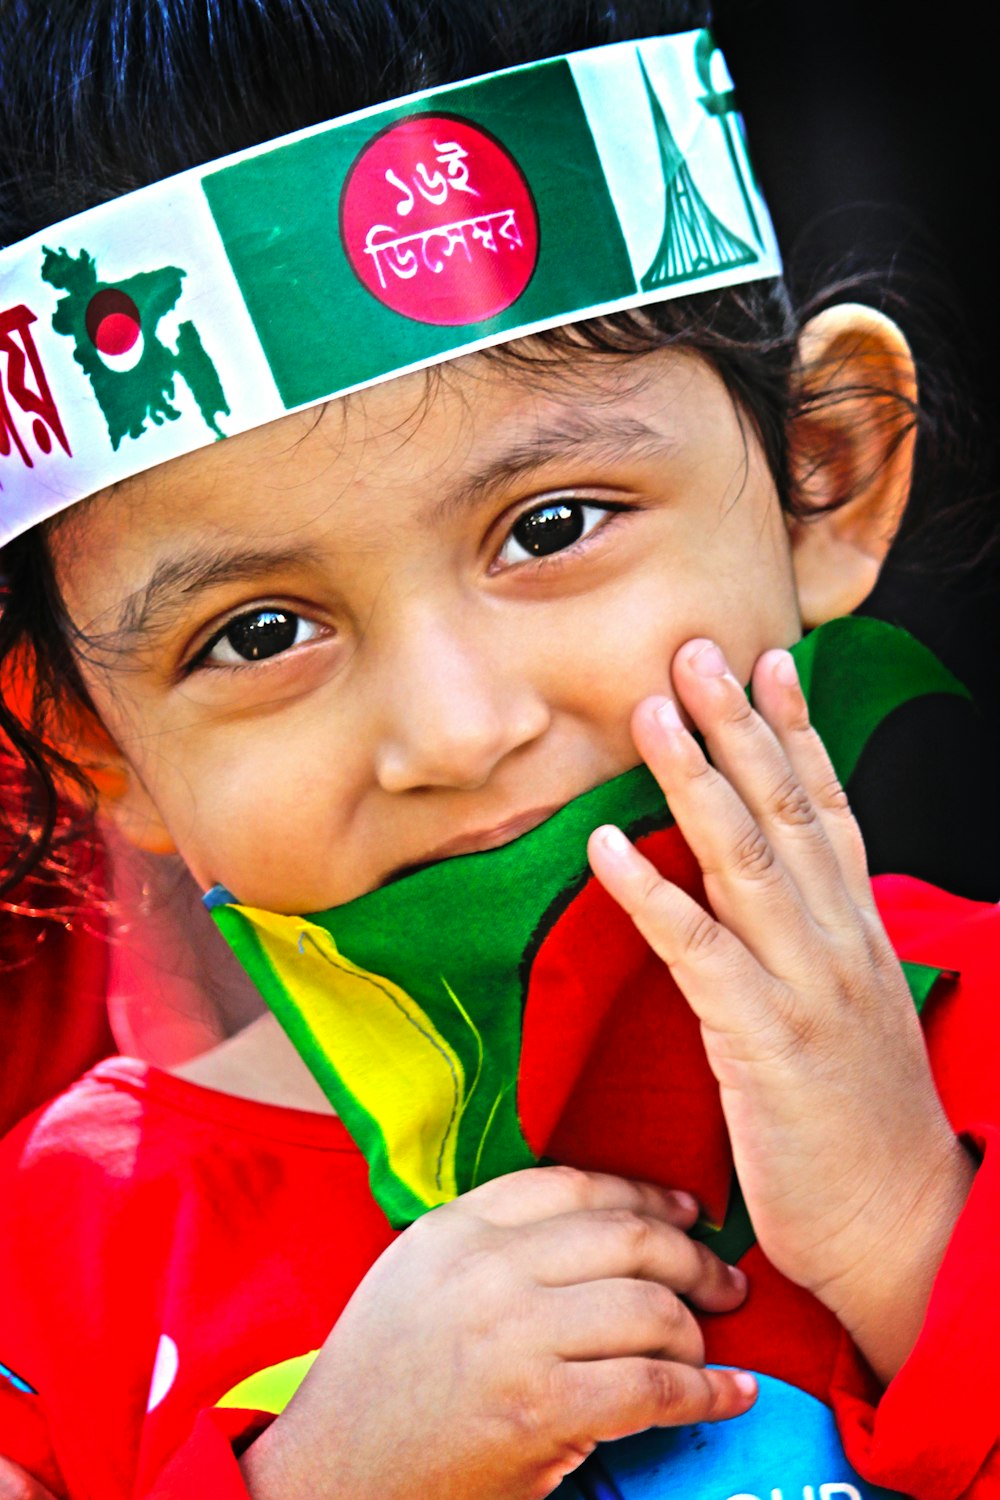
175	579
598	436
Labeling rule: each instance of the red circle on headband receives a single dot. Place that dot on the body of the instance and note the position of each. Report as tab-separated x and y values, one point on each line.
112	321
438	222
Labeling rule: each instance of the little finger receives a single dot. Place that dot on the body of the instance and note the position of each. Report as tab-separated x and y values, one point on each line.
611	1398
779	697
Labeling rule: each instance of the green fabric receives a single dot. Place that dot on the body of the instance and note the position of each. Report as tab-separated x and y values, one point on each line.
730	1240
459	931
921	978
854	673
455	942
281	231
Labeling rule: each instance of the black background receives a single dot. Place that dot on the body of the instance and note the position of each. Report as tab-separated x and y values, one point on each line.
865	121
871	127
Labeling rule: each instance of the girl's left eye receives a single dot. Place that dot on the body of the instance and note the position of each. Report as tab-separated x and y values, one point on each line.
256	636
551	528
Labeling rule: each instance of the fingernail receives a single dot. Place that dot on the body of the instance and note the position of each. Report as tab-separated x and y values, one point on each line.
784	669
686	1202
738	1278
744	1382
708	661
613	839
667	715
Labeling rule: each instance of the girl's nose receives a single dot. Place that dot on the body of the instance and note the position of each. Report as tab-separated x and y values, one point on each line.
452	716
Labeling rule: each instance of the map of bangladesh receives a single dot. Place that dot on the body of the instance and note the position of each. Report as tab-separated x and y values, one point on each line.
114	326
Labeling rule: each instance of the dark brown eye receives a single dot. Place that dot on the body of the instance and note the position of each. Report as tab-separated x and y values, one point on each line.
550	528
256	636
553	527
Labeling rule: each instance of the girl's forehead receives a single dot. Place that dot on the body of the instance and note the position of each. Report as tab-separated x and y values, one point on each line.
407	480
428	459
487	417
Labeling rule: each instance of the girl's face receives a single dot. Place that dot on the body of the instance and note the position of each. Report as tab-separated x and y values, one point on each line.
417	622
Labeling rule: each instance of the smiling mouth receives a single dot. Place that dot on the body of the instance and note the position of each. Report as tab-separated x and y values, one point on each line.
477	842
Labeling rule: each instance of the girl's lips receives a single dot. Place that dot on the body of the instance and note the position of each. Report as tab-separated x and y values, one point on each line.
478	841
491	838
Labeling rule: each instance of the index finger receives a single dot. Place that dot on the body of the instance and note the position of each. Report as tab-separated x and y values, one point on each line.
543	1192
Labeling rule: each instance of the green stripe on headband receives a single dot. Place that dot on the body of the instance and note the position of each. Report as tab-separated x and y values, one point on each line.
379	243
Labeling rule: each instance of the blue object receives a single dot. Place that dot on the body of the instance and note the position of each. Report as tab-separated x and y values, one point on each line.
6	1373
786	1447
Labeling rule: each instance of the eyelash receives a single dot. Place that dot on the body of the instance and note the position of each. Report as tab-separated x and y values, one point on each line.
200	660
607	508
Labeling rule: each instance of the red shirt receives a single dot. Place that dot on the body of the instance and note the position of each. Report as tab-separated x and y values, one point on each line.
161	1242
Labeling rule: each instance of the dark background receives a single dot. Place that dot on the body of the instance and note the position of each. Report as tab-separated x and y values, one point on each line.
874	131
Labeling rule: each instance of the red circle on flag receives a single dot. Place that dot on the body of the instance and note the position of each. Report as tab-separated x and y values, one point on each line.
438	222
112	321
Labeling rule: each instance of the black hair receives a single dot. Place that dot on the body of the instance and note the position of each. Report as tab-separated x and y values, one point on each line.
99	97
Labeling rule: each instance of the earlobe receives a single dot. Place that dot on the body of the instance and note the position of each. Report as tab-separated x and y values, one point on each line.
137	820
851	446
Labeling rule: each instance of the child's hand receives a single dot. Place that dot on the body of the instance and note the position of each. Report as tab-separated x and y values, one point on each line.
17	1484
500	1338
852	1176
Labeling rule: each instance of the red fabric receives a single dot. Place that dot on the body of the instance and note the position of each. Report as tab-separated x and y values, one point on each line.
207	1464
139	1206
611	1049
938	1425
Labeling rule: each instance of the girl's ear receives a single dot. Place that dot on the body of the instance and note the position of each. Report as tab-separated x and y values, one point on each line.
850	455
121	796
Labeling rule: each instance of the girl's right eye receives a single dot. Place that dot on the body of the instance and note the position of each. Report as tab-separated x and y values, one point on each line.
256	636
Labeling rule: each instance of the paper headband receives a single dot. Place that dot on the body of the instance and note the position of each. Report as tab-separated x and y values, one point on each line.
380	243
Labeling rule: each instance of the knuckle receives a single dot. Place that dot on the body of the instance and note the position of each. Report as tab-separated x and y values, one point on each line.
631	1229
570	1182
716	1399
650	888
699	934
662	1305
709	1269
525	1414
701	770
831	796
449	1220
741	715
792	805
665	1385
753	857
796	718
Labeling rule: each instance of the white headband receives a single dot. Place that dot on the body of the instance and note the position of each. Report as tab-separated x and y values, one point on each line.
376	244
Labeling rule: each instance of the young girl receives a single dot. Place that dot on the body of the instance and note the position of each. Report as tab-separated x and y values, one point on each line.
369	635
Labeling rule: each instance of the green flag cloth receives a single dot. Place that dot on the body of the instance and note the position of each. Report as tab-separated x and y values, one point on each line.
498	1009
